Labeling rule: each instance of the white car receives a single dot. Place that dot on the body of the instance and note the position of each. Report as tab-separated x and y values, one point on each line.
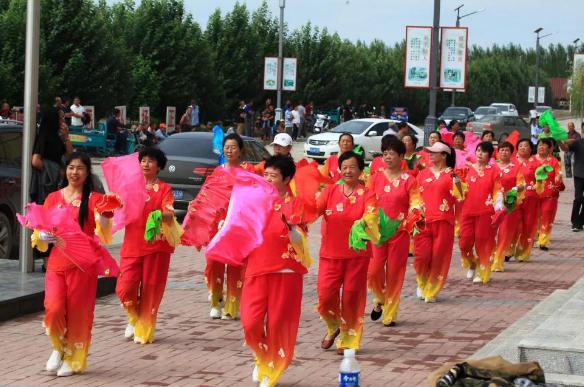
506	109
482	111
367	132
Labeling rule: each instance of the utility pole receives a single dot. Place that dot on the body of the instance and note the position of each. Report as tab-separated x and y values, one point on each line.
31	86
280	61
430	124
571	85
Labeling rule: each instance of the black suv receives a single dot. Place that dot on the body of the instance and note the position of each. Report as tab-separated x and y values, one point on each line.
10	186
190	150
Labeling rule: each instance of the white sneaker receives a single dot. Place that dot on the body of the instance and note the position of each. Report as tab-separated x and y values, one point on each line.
138	340
470	274
477	280
419	293
430	300
65	370
254	375
265	382
226	317
215	313
129	333
55	361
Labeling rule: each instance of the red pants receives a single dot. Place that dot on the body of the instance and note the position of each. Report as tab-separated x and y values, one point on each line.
215	276
477	232
69	304
433	252
529	213
140	289
346	311
270	313
548	207
506	237
387	270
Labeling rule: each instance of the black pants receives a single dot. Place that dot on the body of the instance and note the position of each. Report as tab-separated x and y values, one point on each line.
578	206
294	132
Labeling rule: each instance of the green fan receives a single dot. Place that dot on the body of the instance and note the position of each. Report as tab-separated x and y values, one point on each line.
358	237
557	132
510	200
541	173
387	227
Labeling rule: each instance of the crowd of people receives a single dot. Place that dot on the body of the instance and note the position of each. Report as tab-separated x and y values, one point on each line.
498	201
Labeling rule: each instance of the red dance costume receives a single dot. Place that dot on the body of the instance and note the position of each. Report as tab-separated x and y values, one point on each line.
272	294
511	177
528	211
144	267
70	292
433	245
215	273
549	192
340	266
387	268
476	230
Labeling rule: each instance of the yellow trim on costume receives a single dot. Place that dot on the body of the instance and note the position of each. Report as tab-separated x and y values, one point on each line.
520	182
37	243
371	220
459	195
301	248
103	231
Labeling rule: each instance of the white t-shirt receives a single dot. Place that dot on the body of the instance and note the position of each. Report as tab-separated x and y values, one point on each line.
295	117
301	111
77	109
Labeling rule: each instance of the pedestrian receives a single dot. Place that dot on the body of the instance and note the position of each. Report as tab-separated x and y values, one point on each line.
288	119
424	154
295	123
144	263
347	113
249	118
5	110
576	147
66	108
483	199
398	196
268	115
70	288
77	112
331	167
281	146
342	272
116	129
569	155
402	129
272	290
302	116
185	123
511	180
411	157
536	130
548	190
529	209
441	188
195	111
215	272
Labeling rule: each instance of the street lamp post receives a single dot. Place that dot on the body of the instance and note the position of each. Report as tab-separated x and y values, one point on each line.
430	123
458	17
537	65
571	82
280	61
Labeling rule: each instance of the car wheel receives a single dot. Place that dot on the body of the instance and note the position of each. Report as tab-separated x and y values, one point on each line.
6	237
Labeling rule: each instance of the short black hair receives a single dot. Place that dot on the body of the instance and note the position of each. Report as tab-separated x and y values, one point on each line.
154	153
391	142
508	145
440	122
459	134
548	141
437	133
452	123
349	135
236	137
349	155
414	139
488	132
402	124
486	146
284	164
527	140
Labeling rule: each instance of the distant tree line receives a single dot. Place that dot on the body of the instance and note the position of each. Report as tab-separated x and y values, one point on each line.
154	54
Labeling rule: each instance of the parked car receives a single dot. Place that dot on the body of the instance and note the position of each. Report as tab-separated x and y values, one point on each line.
460	114
500	124
482	111
190	150
505	109
367	132
10	186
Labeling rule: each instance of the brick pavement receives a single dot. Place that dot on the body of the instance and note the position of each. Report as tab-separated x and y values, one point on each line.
192	350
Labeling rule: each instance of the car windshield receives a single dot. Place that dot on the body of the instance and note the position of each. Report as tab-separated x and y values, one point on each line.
486	110
501	108
188	147
489	118
455	112
353	127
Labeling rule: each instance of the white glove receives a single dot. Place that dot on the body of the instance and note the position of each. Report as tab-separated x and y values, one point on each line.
47	237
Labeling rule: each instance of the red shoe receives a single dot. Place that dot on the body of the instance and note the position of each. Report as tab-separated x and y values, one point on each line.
326	343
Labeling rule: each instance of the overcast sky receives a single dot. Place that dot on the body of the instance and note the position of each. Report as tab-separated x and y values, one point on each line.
501	22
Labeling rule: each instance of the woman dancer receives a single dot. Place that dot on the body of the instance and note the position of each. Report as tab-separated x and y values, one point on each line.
484	197
511	180
548	189
424	154
440	189
215	271
528	211
339	266
411	157
144	264
398	196
331	167
70	289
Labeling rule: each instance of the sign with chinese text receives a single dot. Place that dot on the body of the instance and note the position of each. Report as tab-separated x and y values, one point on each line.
453	53
144	115
418	54
289	74
270	73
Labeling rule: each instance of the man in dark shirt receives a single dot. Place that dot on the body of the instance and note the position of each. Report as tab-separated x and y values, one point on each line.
115	129
347	111
66	108
576	146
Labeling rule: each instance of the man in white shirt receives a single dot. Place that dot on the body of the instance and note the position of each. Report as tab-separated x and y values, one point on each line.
295	123
77	112
302	113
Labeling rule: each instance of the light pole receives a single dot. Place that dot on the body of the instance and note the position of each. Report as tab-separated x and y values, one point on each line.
280	61
537	65
430	123
571	81
458	17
